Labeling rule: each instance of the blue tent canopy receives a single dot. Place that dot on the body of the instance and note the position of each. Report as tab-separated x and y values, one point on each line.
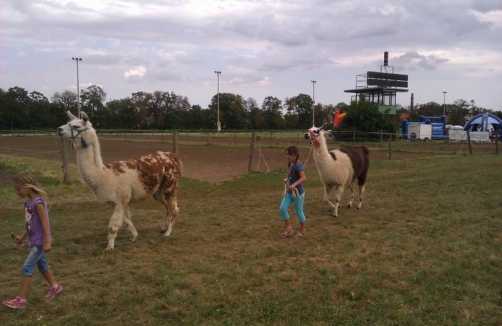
482	122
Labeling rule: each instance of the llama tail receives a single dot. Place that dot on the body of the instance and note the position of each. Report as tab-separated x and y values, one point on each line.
365	150
180	164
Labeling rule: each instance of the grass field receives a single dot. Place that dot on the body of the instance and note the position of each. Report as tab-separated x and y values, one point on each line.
426	249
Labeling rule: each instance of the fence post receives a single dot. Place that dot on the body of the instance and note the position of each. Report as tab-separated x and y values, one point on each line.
251	152
175	141
497	142
353	136
390	142
469	141
64	155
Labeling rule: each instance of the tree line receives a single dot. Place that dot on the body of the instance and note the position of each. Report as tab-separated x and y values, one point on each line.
23	110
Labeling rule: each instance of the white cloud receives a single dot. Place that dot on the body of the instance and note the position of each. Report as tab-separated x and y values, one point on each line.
138	72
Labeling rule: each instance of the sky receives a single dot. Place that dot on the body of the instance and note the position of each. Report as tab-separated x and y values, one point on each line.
262	47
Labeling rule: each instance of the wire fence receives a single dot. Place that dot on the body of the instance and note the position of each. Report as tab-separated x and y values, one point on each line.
20	140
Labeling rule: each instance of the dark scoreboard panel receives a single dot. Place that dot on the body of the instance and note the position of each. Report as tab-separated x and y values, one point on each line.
384	79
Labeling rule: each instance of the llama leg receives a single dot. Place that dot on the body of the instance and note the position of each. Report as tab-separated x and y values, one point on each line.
352	190
327	192
338	196
128	222
171	214
361	195
115	223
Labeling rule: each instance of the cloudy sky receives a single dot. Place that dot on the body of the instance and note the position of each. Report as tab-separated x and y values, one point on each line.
262	47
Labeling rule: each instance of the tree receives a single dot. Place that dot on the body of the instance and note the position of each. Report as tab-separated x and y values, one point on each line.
232	112
92	103
17	115
121	114
140	102
299	112
365	116
68	100
431	108
271	113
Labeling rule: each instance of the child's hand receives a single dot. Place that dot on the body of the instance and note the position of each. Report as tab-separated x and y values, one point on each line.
17	239
47	246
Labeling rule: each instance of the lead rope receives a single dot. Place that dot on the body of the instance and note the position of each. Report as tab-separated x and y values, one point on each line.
58	186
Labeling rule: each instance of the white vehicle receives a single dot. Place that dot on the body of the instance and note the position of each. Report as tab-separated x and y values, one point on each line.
419	131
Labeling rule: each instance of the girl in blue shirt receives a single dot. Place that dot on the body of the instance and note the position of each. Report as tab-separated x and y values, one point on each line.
294	193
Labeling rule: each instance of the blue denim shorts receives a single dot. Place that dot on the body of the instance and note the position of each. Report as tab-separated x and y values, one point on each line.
35	257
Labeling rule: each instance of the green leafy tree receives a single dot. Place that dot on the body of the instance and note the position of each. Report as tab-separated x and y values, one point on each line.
93	99
365	116
431	109
299	112
140	101
232	110
68	100
271	113
121	114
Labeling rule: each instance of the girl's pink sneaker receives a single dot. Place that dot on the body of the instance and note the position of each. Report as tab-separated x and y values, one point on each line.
16	303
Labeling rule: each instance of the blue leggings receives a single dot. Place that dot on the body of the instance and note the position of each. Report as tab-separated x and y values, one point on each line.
287	200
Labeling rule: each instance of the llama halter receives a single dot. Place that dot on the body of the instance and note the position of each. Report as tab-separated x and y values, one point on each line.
312	136
82	140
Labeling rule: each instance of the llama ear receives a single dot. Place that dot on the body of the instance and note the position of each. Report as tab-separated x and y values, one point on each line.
84	116
70	115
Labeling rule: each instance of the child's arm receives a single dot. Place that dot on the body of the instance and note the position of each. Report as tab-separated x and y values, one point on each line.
44	220
302	178
19	238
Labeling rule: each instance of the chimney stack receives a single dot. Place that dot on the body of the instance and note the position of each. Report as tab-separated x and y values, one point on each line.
386	58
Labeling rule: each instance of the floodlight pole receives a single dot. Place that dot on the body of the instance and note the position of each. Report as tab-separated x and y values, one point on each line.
218	123
78	88
444	103
313	101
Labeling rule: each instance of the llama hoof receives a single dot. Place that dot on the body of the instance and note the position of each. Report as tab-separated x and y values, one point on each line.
133	239
349	206
109	249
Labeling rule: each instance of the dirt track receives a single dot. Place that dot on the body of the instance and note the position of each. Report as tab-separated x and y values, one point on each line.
213	163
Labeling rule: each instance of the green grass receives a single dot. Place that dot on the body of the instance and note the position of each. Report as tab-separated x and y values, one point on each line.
424	250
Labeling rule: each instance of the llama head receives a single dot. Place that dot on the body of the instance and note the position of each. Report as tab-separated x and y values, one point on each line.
315	133
75	128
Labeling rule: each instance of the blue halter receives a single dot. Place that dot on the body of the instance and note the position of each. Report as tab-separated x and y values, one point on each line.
82	140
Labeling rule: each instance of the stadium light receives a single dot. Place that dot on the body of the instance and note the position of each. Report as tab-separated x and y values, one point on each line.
444	103
78	88
218	123
313	101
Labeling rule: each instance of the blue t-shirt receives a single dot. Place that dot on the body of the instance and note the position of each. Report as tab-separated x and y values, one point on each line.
294	175
33	224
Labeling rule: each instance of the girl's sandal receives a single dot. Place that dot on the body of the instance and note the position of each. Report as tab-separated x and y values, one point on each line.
286	234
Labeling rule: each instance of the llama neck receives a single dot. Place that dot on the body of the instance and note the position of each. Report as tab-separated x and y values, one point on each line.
90	163
321	154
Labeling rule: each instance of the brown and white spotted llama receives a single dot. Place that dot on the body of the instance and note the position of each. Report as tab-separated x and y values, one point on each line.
339	168
123	182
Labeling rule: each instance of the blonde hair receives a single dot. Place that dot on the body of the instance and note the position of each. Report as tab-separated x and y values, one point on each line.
26	179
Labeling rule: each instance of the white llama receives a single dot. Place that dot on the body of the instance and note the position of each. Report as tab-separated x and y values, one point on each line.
122	182
339	168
